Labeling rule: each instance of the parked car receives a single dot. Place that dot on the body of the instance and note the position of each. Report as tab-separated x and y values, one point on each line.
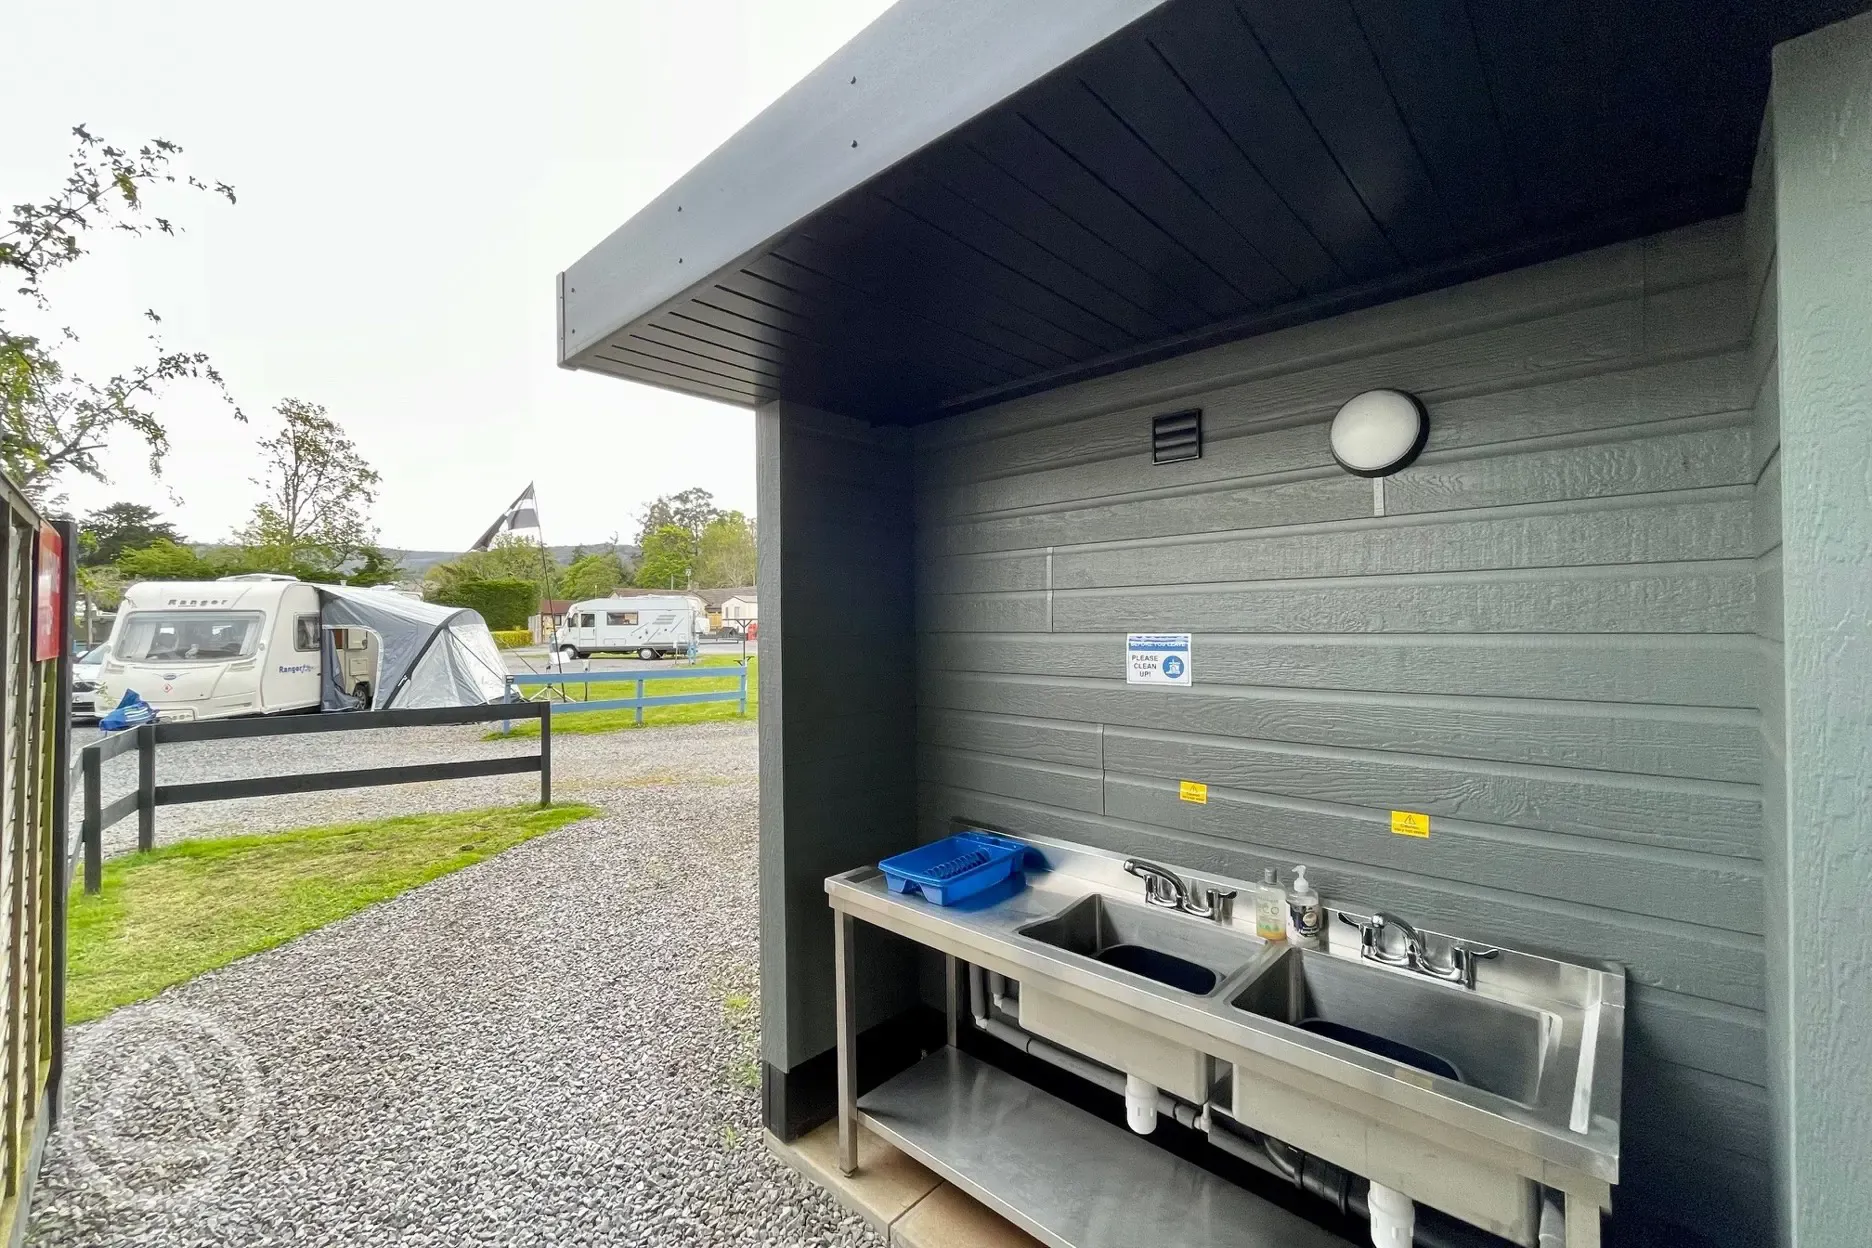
86	669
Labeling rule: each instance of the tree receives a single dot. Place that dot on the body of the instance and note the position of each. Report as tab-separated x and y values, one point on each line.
510	558
110	531
318	493
725	555
173	561
53	421
501	603
593	576
668	559
691	510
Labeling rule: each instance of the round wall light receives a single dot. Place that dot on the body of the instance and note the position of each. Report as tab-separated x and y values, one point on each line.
1378	432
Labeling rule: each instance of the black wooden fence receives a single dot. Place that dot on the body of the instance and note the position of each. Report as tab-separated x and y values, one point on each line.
148	794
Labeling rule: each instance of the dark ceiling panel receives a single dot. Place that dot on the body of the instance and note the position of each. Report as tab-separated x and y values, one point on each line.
896	272
1011	142
1002	195
1322	57
1212	53
1426	50
1016	299
1024	256
1156	106
1084	127
1215	169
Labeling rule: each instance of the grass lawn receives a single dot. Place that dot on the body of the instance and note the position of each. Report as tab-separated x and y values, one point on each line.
655	716
168	915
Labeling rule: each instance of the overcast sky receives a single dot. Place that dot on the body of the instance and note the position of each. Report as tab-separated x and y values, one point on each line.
411	175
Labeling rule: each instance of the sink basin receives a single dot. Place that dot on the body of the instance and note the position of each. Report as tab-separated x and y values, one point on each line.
1411	1020
1185	953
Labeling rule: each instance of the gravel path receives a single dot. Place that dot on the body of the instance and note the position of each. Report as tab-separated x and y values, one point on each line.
554	1046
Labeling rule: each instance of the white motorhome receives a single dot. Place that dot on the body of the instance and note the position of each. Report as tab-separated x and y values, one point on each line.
650	628
237	646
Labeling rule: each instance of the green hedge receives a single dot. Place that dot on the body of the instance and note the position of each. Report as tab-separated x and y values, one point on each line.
503	604
512	638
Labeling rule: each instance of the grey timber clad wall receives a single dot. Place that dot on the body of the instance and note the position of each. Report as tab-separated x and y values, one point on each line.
837	725
1547	641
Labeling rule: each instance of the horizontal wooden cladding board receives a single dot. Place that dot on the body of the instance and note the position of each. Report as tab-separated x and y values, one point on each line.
1727	1040
1699	1105
1247	433
1704	962
1690	888
1704	597
1574	339
1664	457
1724	1196
1678	527
1073	788
1714	670
1040	740
1701	816
1689	743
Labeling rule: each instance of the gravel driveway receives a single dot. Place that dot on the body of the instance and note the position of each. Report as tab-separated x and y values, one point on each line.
556	1045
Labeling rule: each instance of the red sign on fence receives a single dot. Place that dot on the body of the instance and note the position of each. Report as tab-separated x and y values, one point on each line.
48	596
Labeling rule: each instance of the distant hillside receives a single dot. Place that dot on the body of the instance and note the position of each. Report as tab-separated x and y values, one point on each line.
417	562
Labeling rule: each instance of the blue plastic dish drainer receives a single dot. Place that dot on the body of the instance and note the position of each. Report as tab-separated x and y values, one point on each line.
962	867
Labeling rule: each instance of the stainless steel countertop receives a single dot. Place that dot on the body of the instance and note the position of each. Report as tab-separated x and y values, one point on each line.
1572	1122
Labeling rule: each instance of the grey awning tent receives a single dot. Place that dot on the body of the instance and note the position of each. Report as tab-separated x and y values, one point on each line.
432	655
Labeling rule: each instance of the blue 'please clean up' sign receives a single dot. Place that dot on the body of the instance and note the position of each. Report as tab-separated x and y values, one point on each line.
1157	659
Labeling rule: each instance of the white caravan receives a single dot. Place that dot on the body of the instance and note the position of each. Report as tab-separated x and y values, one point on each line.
238	646
650	628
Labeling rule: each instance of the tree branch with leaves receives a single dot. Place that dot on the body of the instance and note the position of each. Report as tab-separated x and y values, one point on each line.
53	421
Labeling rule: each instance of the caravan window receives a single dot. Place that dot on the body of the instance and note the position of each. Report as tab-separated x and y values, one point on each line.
305	632
618	619
189	636
588	620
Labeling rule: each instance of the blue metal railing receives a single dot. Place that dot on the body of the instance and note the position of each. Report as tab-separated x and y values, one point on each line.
560	680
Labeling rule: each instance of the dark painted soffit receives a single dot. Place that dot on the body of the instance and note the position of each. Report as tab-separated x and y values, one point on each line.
977	199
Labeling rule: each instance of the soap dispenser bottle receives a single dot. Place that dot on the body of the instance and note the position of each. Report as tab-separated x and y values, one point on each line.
1305	918
1270	907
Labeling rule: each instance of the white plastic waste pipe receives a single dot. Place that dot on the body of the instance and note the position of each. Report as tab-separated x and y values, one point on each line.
1393	1216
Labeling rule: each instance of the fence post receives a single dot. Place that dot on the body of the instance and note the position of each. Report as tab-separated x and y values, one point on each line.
744	690
146	787
640	701
546	755
507	695
91	832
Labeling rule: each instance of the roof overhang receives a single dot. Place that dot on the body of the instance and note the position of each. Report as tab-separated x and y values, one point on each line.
976	199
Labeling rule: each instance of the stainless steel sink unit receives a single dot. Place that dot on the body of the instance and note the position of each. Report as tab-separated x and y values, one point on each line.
1493	1045
1377	1058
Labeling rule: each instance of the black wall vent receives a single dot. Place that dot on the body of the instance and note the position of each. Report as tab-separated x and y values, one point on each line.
1176	437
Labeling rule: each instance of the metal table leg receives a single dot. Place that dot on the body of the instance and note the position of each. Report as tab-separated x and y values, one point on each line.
844	985
952	997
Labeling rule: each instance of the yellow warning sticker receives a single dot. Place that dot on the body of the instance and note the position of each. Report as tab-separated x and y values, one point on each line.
1410	823
1191	791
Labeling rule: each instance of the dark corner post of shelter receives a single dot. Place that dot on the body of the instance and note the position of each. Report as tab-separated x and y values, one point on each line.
837	745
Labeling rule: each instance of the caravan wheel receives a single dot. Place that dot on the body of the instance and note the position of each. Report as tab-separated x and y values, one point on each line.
568	653
646	653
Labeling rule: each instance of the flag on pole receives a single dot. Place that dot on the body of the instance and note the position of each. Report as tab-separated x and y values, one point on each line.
521	514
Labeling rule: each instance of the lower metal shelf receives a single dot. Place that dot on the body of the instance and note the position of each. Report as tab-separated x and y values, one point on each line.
1064	1176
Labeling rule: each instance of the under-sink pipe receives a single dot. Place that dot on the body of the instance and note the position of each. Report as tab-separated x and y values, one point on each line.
998	998
1140	1105
1393	1216
1114	1081
1552	1220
